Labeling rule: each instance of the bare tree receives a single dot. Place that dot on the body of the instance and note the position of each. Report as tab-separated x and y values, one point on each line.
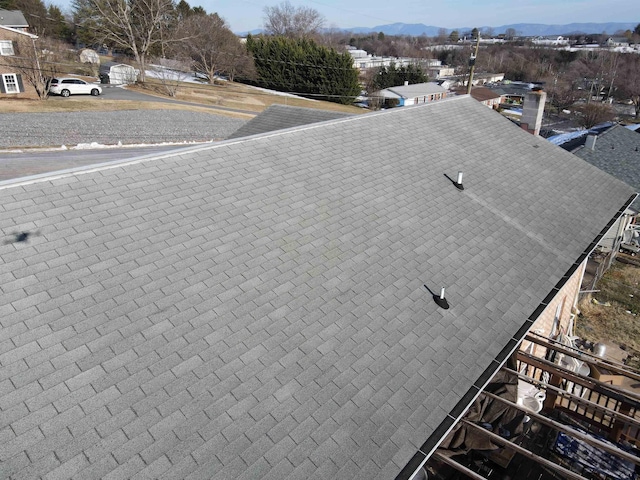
134	25
34	63
562	92
293	22
238	62
627	83
591	114
488	32
214	49
171	74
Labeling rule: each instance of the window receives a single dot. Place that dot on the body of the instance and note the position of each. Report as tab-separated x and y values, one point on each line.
11	83
6	47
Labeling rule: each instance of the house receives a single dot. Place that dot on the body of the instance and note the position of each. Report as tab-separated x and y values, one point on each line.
614	149
478	79
118	73
405	95
617	42
513	92
484	95
617	152
364	61
11	81
278	117
13	19
440	71
272	307
550	40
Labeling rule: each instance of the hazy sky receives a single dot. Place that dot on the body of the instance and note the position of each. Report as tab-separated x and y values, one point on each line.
245	15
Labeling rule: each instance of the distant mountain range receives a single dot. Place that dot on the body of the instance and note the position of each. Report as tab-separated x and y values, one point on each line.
521	29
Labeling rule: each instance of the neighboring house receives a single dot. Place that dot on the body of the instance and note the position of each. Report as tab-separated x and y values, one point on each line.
118	73
487	78
513	92
415	94
551	40
13	19
478	79
484	95
11	82
615	150
618	42
440	71
364	61
269	307
279	117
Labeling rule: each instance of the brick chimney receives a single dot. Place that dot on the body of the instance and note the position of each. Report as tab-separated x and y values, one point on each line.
532	111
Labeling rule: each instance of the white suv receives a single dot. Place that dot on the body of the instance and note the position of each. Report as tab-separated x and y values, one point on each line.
73	86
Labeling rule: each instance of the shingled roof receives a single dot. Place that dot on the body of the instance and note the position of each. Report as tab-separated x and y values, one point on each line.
261	308
617	152
279	117
13	19
413	90
481	94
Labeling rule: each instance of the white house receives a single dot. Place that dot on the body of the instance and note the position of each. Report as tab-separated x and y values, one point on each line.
414	94
364	61
555	41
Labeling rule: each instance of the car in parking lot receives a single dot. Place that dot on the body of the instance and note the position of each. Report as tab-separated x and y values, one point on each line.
73	86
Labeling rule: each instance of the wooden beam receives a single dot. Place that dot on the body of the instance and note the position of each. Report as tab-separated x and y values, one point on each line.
568	430
576	398
583	356
523	451
459	467
591	383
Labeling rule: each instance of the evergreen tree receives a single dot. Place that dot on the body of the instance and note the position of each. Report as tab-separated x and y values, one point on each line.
35	13
301	66
393	76
58	26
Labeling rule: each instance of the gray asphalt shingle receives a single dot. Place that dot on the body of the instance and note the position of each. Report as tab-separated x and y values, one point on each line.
258	309
279	117
617	152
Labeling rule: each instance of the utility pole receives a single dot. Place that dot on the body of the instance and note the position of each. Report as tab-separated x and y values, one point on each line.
472	63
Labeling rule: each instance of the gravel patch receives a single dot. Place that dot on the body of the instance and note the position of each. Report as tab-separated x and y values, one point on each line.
110	128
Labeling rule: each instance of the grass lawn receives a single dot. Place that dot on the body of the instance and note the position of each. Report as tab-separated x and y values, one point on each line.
201	96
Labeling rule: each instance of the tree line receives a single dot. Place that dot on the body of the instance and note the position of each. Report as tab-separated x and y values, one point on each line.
296	54
289	57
